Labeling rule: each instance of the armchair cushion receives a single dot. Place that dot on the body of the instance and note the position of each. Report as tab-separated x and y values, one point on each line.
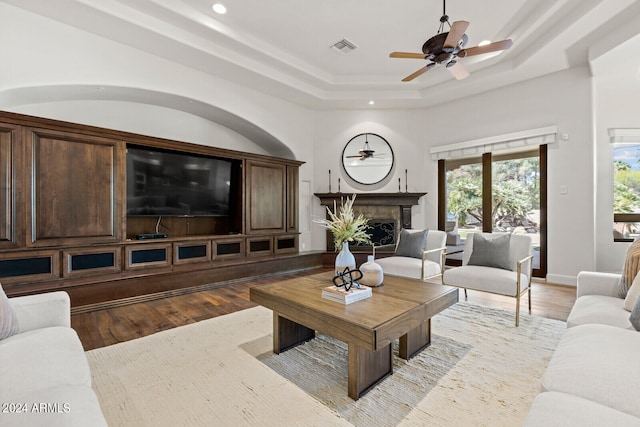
487	279
8	318
412	243
408	267
491	251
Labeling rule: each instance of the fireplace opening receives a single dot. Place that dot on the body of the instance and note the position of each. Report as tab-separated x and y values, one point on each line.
382	232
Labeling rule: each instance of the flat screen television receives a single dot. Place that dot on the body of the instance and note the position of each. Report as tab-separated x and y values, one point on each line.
169	183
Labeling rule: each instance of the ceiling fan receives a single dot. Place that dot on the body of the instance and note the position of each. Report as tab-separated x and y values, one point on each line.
445	47
366	151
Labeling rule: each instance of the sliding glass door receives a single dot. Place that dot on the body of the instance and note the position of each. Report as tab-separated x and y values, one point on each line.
503	192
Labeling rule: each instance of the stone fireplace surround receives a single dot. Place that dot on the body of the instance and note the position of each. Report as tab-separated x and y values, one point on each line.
388	213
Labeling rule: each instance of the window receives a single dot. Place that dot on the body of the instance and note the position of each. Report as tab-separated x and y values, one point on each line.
626	192
498	192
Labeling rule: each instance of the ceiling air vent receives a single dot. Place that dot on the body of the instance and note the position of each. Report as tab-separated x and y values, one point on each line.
343	46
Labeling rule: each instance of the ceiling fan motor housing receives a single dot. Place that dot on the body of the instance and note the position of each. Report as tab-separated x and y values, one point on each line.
433	48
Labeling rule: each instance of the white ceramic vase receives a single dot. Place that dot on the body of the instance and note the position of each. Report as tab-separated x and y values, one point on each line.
344	259
372	274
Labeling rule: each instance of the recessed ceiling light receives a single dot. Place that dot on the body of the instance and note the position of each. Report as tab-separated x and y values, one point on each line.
484	42
372	102
219	8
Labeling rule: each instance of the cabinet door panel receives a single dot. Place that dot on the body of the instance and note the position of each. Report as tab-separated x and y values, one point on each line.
77	183
292	198
266	204
9	186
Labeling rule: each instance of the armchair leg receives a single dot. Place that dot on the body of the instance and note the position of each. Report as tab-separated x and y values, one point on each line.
517	310
465	294
529	299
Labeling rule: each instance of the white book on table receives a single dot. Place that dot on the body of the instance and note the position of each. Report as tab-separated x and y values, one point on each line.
354	294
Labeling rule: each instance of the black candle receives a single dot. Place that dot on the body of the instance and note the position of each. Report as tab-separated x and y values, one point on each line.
329	180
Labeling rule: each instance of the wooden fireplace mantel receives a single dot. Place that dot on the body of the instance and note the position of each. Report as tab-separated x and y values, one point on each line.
372	199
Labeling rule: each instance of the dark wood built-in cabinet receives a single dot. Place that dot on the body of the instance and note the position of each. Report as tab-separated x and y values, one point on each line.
63	221
76	188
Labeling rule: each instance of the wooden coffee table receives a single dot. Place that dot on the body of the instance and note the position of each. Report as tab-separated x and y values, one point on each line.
401	308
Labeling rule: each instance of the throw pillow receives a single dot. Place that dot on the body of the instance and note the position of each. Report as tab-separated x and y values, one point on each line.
633	293
8	319
635	315
630	269
412	243
490	252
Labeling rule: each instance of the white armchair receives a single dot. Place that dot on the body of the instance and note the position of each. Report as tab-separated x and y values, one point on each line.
423	262
495	266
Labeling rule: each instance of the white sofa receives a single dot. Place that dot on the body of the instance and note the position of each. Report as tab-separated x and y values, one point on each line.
44	373
593	378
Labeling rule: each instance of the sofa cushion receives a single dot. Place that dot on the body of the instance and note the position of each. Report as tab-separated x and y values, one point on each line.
597	363
8	319
41	359
412	243
64	406
553	409
599	309
486	279
490	251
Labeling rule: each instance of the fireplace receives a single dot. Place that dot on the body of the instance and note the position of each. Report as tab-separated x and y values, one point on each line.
388	213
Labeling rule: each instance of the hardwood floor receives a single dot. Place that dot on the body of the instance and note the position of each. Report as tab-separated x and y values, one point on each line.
110	326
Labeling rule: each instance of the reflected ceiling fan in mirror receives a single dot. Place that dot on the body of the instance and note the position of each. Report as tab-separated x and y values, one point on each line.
446	47
366	152
367	158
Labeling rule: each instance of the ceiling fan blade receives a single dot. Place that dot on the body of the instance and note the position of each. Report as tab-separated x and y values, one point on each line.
455	34
420	72
492	47
409	55
353	157
458	71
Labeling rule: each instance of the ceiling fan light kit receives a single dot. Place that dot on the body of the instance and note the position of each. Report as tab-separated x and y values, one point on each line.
445	47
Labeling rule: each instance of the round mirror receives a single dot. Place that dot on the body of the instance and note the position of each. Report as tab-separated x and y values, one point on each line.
367	158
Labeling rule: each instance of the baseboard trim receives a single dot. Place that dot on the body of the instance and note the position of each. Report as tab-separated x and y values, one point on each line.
562	279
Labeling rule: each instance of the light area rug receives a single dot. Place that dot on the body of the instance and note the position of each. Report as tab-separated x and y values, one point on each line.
479	371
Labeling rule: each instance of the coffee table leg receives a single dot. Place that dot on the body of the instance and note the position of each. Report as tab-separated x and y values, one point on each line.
287	333
367	368
415	340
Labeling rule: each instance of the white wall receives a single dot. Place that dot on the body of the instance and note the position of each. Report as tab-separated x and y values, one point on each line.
143	119
616	106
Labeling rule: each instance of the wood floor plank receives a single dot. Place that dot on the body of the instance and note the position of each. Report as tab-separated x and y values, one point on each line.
110	326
